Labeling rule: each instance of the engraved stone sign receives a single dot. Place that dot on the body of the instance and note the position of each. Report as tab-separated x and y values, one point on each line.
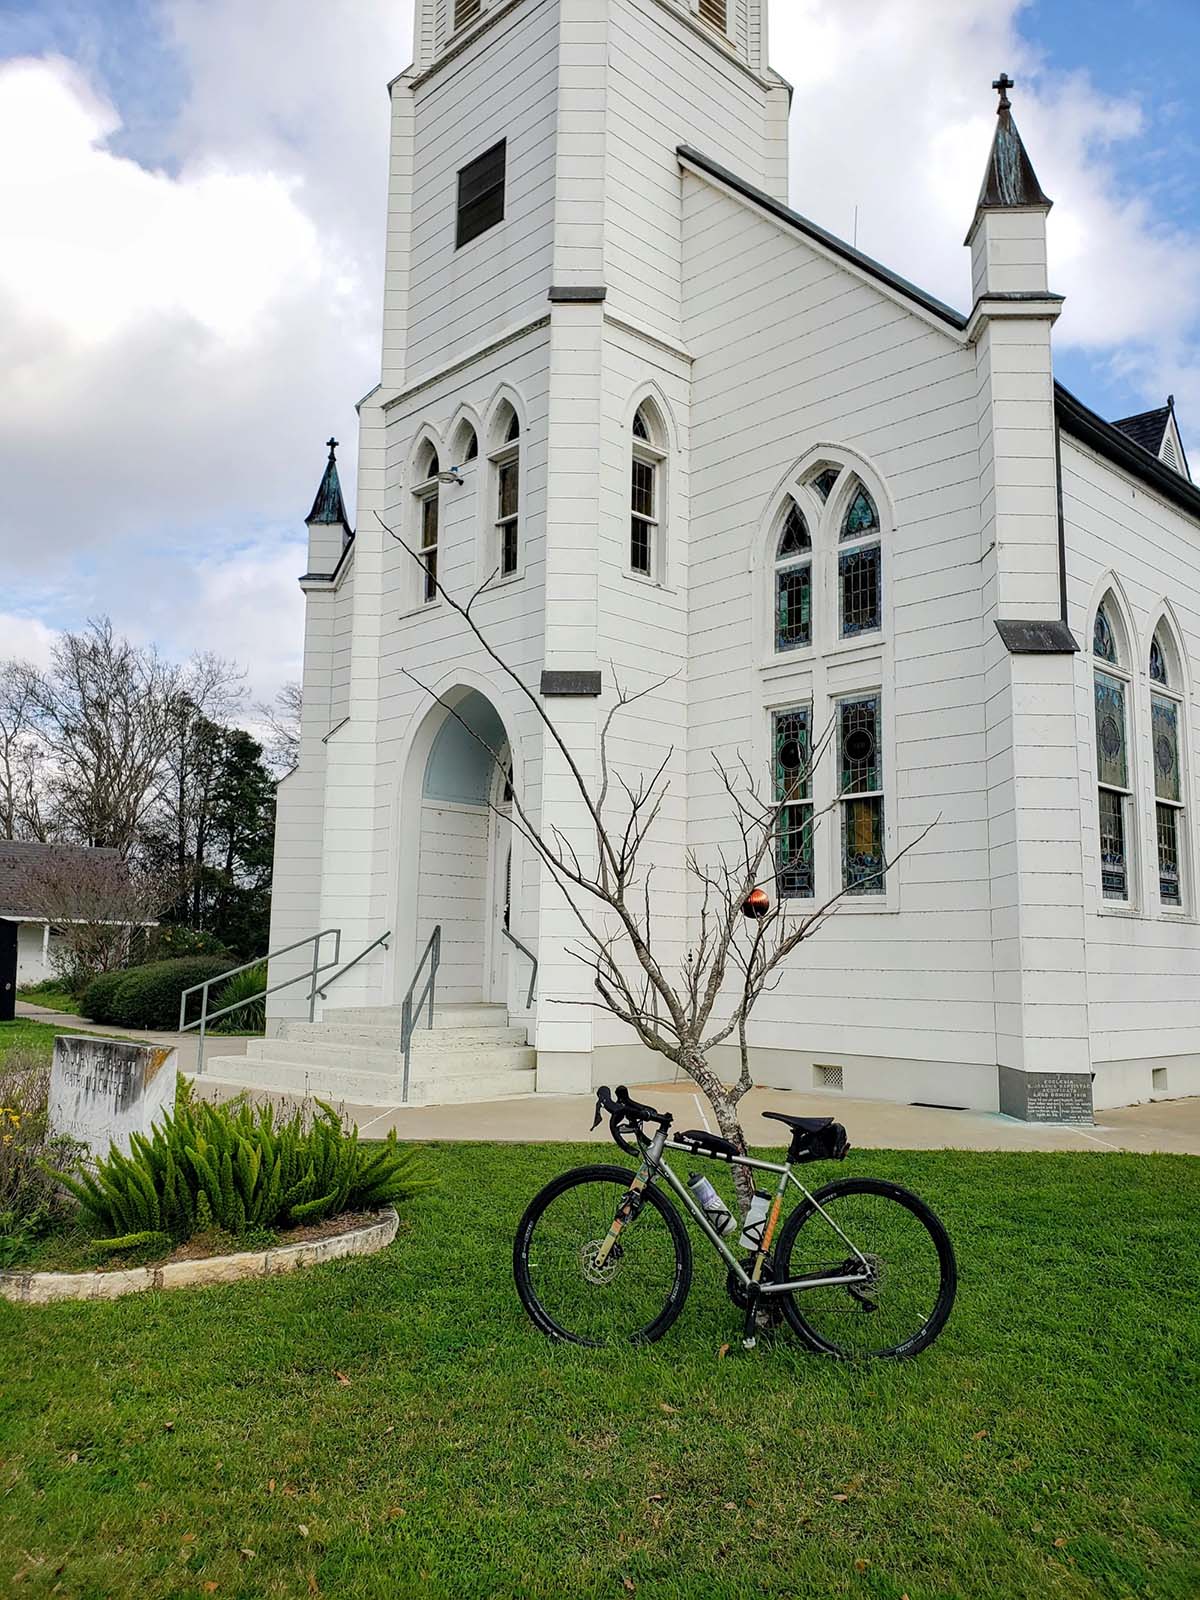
1046	1096
102	1090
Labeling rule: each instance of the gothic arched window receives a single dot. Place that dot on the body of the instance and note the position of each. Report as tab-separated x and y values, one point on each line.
860	566
506	488
1167	742
646	492
1114	789
793	582
427	494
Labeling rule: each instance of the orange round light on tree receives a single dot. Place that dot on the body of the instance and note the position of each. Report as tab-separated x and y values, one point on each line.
757	904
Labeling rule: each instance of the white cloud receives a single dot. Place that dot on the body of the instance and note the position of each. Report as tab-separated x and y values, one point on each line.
893	113
25	638
176	342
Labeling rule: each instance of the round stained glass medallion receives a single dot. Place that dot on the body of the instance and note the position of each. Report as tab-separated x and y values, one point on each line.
1110	737
791	755
1164	755
859	745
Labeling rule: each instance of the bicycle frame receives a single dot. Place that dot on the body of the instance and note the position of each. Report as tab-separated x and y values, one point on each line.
653	1165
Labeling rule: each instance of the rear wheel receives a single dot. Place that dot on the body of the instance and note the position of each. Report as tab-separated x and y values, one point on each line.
902	1305
635	1296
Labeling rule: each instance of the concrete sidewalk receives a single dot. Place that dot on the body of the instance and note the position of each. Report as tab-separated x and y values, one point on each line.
185	1043
1163	1125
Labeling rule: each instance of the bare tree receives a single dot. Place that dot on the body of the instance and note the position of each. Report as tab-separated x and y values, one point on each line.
743	940
281	718
94	899
22	755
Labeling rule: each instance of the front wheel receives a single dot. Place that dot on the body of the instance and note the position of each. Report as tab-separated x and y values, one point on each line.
635	1296
910	1276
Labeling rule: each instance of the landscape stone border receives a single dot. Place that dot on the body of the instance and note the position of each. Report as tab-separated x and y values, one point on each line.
43	1288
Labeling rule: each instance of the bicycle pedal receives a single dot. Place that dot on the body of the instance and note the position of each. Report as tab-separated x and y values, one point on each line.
749	1344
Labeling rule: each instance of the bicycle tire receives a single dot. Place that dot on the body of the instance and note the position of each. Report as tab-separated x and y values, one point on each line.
818	1338
525	1246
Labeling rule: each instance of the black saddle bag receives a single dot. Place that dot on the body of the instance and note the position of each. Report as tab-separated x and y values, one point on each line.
830	1144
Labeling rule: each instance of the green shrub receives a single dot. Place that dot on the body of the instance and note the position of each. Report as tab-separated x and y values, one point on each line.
235	1168
248	987
170	940
96	1001
148	997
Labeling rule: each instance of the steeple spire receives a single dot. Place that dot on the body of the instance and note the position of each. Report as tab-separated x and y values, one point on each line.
329	508
1010	180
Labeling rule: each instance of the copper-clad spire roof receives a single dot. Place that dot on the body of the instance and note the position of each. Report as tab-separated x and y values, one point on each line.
1010	179
329	507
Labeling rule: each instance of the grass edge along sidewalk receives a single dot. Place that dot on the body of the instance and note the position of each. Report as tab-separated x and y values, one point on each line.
394	1426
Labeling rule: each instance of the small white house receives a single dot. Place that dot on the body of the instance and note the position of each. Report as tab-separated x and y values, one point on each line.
697	436
20	902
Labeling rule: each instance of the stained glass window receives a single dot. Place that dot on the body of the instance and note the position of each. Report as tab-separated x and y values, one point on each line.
861	516
794	539
640	430
793	583
1158	661
506	464
859	575
792	743
860	783
1104	642
824	482
1112	777
1168	795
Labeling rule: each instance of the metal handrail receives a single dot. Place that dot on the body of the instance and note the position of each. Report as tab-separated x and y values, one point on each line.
206	1016
329	982
512	939
432	954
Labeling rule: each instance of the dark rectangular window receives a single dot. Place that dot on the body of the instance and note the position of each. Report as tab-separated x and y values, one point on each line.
860	784
862	600
794	866
481	193
793	607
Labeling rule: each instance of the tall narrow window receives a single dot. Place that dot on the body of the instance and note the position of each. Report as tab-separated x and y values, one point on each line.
645	517
481	194
1166	715
427	492
1114	795
793	582
860	787
860	566
465	11
506	463
792	743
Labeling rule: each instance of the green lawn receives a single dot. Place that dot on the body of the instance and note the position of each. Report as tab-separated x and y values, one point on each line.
394	1427
26	1035
50	998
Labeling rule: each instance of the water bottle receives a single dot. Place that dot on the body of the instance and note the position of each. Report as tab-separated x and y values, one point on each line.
711	1204
756	1221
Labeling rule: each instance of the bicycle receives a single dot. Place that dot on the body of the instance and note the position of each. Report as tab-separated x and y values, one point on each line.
603	1257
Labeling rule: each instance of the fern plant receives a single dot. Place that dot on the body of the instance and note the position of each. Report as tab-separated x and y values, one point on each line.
237	1168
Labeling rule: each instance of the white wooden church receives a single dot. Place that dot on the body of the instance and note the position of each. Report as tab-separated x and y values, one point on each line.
694	434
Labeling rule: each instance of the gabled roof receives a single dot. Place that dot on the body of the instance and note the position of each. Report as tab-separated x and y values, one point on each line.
1148	428
830	241
1110	441
20	862
329	508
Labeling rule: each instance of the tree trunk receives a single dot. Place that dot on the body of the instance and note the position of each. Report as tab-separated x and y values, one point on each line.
718	1097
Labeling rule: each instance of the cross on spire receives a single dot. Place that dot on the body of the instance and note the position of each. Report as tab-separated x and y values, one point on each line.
332	445
1004	83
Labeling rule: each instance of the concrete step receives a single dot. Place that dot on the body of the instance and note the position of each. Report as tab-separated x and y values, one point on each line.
470	1014
368	1036
301	1079
453	1060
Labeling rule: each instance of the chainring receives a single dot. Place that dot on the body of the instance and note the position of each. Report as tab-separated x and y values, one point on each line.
766	1308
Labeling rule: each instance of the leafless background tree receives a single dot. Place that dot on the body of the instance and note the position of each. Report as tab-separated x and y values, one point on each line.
281	719
96	900
744	932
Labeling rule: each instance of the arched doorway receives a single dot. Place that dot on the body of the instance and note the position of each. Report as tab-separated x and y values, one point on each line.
464	868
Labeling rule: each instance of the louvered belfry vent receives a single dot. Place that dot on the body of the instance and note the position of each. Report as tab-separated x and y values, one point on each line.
714	11
465	11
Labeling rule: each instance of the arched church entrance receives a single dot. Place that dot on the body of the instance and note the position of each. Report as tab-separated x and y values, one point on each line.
464	869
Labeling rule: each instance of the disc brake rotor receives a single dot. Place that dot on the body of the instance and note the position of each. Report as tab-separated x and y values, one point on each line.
592	1270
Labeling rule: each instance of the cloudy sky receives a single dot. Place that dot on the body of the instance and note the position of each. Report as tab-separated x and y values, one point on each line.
192	195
